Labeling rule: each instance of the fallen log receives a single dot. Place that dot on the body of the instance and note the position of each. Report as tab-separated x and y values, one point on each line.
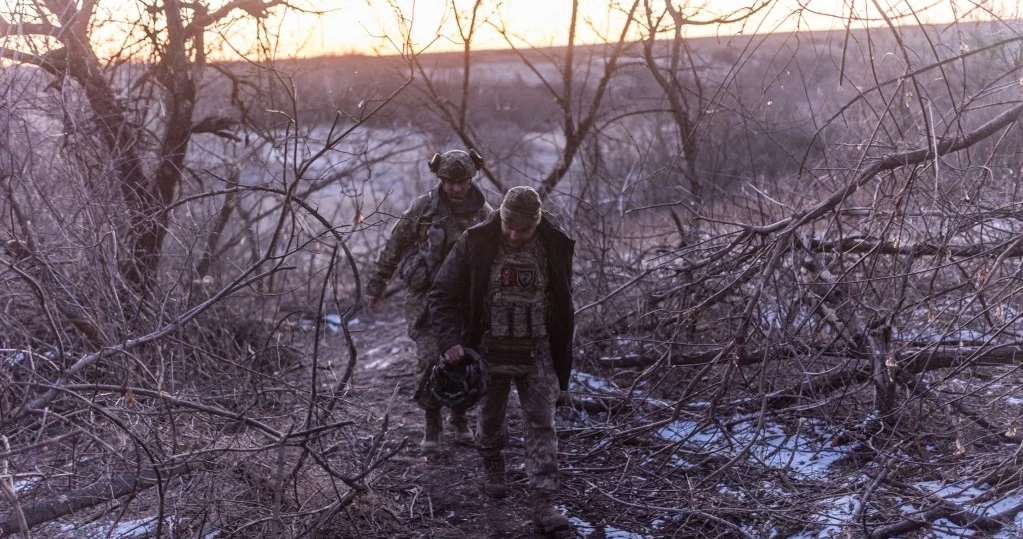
941	508
747	356
92	495
913	360
959	516
874	246
942	357
818	385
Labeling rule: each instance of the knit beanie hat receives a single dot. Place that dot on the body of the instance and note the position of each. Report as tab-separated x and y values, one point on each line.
521	208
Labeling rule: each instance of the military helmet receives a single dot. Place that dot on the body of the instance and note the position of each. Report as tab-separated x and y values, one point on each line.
459	386
456	164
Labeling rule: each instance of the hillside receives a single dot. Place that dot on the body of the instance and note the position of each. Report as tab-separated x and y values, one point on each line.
797	284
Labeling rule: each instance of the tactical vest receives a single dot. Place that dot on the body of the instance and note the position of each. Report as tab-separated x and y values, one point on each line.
439	229
517	308
442	233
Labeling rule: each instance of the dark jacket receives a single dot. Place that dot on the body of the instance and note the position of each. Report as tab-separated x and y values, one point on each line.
458	295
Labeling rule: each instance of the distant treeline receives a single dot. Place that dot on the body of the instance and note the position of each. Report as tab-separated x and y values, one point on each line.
769	101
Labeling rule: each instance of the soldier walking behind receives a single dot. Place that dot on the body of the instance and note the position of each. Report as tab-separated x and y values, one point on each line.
505	290
418	243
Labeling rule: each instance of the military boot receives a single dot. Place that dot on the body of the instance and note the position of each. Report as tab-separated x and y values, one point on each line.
463	433
546	518
431	436
493	477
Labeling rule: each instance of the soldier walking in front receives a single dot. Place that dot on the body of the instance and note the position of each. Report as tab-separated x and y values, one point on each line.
418	244
505	290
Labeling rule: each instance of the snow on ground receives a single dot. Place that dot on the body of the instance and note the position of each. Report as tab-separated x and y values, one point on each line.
333	321
383	357
15	359
585	381
382	363
807	452
836	517
1013	532
965	494
124	529
23	484
934	332
585	529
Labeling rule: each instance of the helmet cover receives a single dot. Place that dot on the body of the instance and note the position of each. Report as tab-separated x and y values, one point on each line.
456	164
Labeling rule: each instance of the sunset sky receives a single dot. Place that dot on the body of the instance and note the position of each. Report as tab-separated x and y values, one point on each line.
375	26
361	25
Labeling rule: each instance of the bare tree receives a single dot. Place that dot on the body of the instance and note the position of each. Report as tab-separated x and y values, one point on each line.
829	344
148	151
578	99
871	292
170	274
673	67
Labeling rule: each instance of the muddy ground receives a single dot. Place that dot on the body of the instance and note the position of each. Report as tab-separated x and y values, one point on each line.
440	496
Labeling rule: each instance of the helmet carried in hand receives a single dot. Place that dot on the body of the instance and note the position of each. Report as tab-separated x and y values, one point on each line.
459	386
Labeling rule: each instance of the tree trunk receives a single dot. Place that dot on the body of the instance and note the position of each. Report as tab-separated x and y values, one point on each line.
95	494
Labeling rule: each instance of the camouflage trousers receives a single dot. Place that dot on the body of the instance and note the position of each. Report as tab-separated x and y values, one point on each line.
427	355
538	393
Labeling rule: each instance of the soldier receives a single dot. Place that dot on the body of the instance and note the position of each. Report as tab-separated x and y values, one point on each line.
419	241
505	290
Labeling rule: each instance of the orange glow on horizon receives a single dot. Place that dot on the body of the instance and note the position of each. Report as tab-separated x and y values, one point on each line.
378	27
374	27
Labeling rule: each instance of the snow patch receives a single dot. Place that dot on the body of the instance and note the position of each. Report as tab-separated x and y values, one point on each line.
125	529
24	484
381	364
333	322
837	516
585	529
964	493
806	452
582	380
15	359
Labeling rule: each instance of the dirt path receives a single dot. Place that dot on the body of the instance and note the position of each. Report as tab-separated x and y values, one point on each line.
435	497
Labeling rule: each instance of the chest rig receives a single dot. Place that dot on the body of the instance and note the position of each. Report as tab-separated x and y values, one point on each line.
436	235
448	227
517	306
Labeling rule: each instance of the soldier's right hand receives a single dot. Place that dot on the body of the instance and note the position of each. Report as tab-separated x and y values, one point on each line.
372	302
454	354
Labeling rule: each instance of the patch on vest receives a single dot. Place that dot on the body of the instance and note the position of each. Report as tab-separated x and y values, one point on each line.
521	276
526	277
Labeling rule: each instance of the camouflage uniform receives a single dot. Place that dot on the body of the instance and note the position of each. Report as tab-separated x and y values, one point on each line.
419	241
515	306
519	353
